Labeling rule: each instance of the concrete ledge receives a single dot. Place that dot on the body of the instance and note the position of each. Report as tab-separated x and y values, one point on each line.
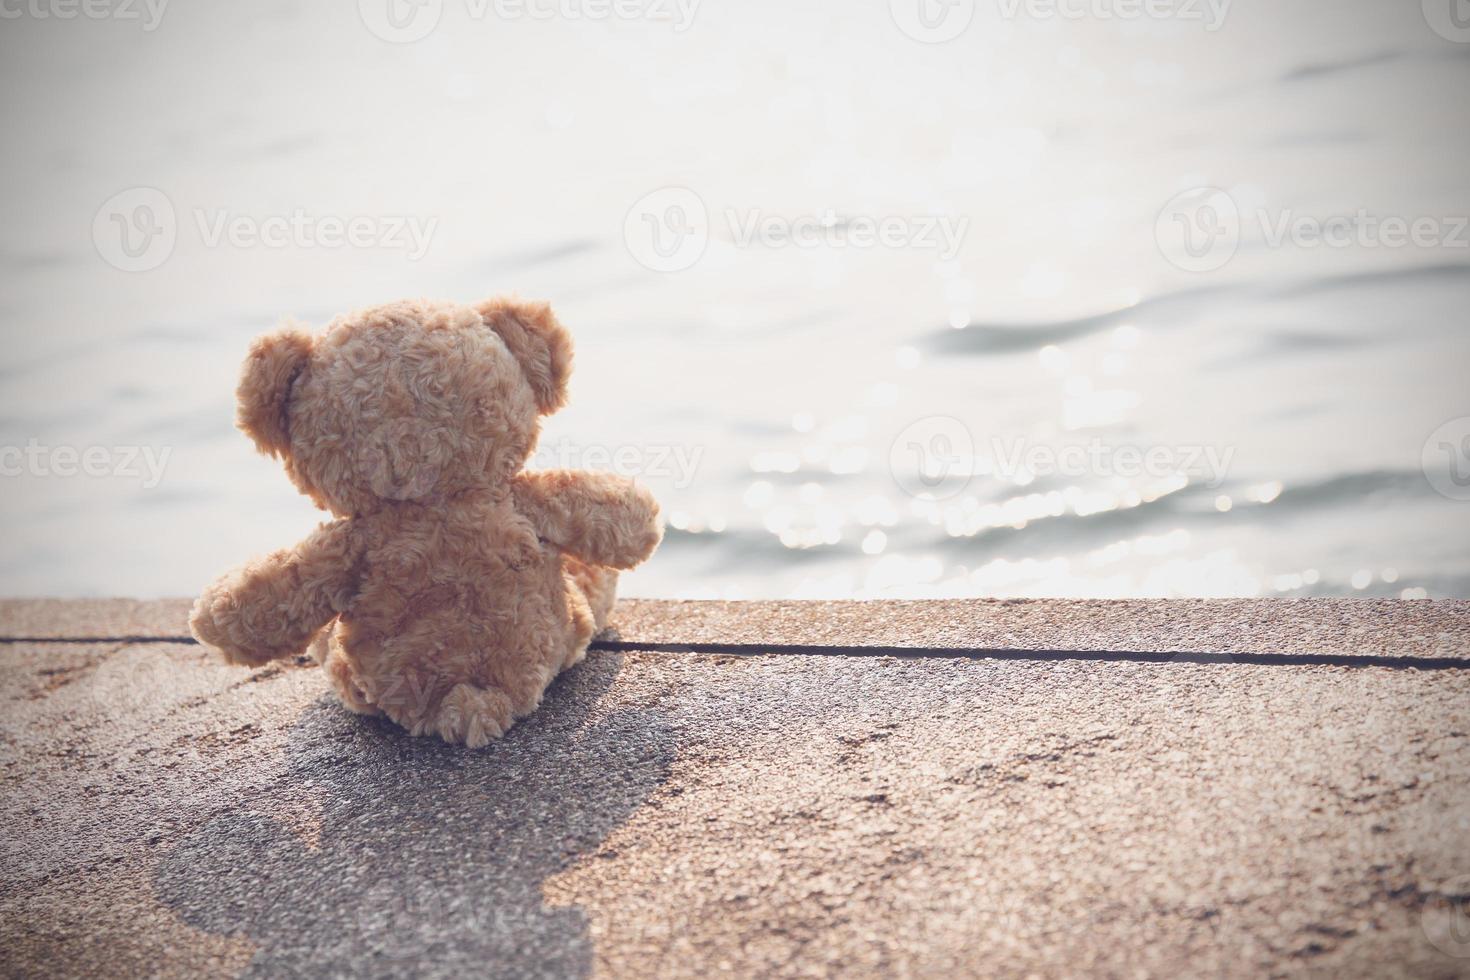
1429	631
684	815
1349	628
80	618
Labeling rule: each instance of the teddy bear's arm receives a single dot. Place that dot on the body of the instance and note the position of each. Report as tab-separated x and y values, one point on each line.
600	518
272	607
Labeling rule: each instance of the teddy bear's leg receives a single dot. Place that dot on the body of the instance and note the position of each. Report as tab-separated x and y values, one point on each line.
339	673
472	716
321	647
591	591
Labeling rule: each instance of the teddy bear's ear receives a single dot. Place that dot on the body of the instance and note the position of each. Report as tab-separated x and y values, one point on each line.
275	362
540	344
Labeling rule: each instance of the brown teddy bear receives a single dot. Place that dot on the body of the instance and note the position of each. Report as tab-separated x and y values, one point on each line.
459	584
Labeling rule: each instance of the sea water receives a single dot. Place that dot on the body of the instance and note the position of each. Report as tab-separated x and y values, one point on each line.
1078	301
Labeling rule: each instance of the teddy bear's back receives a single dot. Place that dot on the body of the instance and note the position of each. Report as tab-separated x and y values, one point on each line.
463	592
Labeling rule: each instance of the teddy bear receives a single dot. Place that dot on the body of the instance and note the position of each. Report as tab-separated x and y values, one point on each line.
453	584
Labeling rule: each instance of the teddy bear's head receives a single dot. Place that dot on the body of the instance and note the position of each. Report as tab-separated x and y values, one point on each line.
410	401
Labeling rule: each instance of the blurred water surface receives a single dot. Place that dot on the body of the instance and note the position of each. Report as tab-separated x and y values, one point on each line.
819	419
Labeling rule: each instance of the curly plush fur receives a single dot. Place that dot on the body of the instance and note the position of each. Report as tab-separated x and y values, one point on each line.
453	586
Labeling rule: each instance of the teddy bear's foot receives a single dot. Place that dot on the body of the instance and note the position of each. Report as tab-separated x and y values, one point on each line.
472	716
321	645
599	587
340	675
591	592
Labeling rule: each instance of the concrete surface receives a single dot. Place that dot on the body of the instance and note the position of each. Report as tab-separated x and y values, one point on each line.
1346	630
674	814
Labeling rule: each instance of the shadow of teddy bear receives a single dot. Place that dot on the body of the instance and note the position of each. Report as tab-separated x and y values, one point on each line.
431	857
